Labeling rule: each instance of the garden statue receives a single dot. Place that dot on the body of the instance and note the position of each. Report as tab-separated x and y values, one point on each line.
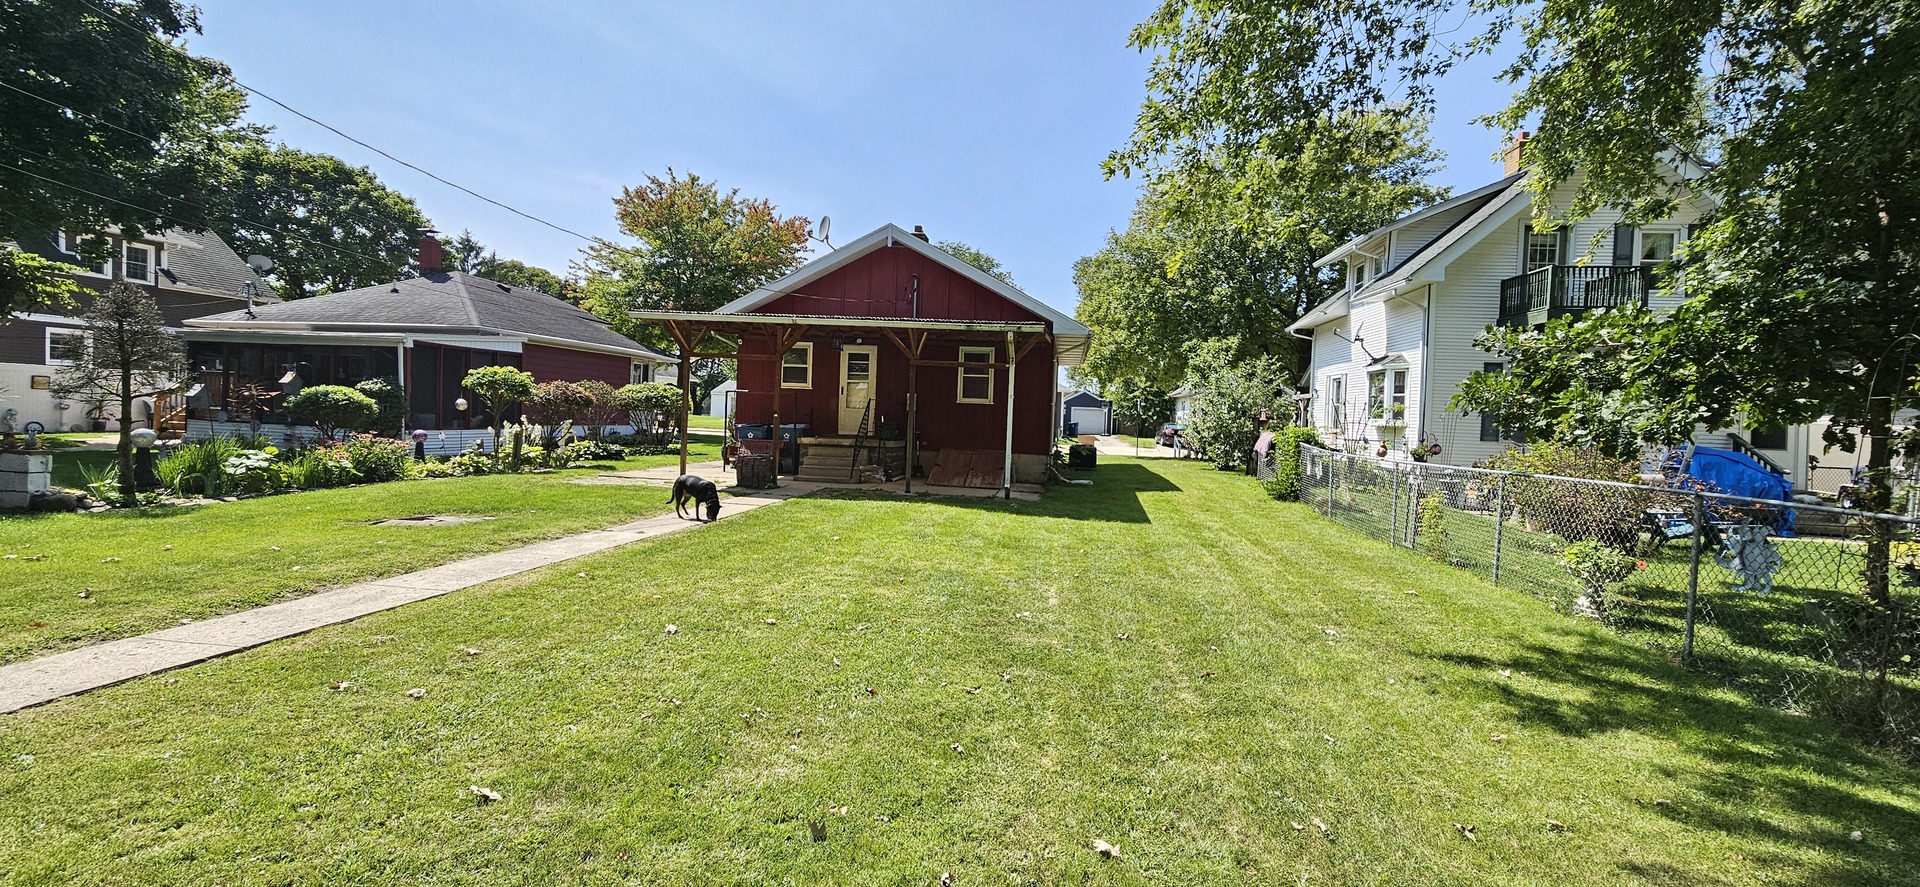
1746	551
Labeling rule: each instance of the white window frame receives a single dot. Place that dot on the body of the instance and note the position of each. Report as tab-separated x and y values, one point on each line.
64	244
1640	242
806	347
1389	378
1337	401
51	330
153	260
963	373
640	372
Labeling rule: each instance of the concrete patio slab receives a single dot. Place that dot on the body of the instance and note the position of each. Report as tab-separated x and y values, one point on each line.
43	680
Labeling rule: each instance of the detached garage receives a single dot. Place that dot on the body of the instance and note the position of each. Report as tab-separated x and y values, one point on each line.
1087	412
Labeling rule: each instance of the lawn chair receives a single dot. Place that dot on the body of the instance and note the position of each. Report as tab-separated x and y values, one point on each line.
1663	525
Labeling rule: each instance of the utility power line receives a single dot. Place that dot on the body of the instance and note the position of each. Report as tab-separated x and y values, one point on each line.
110	17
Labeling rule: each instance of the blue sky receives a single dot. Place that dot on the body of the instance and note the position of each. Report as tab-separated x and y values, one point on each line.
985	122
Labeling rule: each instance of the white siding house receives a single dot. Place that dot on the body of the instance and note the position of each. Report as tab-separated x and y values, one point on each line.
1390	352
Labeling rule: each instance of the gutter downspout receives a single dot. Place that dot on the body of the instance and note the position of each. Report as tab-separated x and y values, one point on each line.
1006	481
1426	359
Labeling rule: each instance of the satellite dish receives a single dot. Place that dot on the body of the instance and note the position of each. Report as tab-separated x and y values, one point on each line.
260	264
826	225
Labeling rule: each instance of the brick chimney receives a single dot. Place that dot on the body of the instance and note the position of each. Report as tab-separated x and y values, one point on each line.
1513	156
431	258
921	233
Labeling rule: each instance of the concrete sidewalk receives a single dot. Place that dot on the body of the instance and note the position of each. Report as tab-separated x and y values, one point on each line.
43	680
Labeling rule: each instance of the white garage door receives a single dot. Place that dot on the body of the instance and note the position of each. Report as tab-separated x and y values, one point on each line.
1092	420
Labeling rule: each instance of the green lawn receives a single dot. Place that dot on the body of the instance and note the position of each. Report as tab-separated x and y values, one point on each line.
186	563
714	422
1164	660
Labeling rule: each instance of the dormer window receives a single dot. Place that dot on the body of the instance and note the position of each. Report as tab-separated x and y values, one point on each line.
136	261
67	245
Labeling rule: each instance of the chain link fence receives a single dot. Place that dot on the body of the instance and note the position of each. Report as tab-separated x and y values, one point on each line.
1793	604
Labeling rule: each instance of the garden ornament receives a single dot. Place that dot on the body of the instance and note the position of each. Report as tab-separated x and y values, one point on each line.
1746	551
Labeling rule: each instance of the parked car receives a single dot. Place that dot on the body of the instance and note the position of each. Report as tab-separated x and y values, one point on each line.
1167	433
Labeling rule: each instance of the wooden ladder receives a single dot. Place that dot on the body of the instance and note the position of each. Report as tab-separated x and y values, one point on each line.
860	440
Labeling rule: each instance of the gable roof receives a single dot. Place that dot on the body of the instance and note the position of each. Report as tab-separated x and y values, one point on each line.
196	261
894	235
439	302
1481	193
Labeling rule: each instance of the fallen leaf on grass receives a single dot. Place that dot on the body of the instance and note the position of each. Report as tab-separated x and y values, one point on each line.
1326	737
957	749
1325	832
1206	674
872	692
973	691
338	686
1006	678
771	621
34	557
1122	636
484	794
1506	672
1412	592
1466	831
946	879
417	693
471	651
1498	737
673	701
1105	849
273	548
36	624
1298	827
839	811
1555	825
169	682
672	628
86	593
166	548
109	560
817	829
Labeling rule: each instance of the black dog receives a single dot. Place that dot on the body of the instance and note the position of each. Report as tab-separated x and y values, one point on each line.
699	490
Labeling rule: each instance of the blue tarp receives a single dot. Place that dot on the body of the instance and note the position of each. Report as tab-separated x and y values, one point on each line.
1741	475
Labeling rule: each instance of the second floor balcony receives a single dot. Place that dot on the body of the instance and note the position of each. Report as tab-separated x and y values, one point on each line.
1540	295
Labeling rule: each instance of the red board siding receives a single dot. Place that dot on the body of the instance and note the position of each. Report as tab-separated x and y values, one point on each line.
548	364
880	284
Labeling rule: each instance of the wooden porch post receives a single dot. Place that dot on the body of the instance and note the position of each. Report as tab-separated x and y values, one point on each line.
1006	481
686	401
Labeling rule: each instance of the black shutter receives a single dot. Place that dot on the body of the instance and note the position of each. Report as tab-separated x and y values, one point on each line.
1487	431
1623	245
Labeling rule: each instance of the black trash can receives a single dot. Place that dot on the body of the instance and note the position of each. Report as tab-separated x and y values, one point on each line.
790	446
1070	430
755	432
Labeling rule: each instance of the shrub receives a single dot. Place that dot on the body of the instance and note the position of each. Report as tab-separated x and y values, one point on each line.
331	409
375	459
319	468
250	471
592	451
648	397
391	404
1596	567
1229	390
1434	541
1575	511
197	468
553	404
1287	466
603	411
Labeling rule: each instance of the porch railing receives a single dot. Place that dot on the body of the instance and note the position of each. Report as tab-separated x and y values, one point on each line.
1552	291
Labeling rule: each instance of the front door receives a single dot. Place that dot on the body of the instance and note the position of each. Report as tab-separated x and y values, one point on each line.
856	385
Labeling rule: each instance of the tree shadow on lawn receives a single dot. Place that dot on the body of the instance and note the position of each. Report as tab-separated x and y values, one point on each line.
1602	686
1113	496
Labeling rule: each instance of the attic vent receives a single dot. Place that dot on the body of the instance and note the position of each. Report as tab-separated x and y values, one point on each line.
504	288
395	289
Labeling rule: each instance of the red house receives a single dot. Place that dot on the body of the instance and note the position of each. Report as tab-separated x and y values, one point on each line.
893	353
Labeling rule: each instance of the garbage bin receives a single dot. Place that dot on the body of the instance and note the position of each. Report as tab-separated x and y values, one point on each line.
1070	430
755	432
790	446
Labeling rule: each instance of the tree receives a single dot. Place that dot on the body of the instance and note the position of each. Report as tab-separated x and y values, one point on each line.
1803	285
343	229
977	259
514	272
696	248
1219	253
501	387
100	101
128	354
331	409
1229	392
1138	403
